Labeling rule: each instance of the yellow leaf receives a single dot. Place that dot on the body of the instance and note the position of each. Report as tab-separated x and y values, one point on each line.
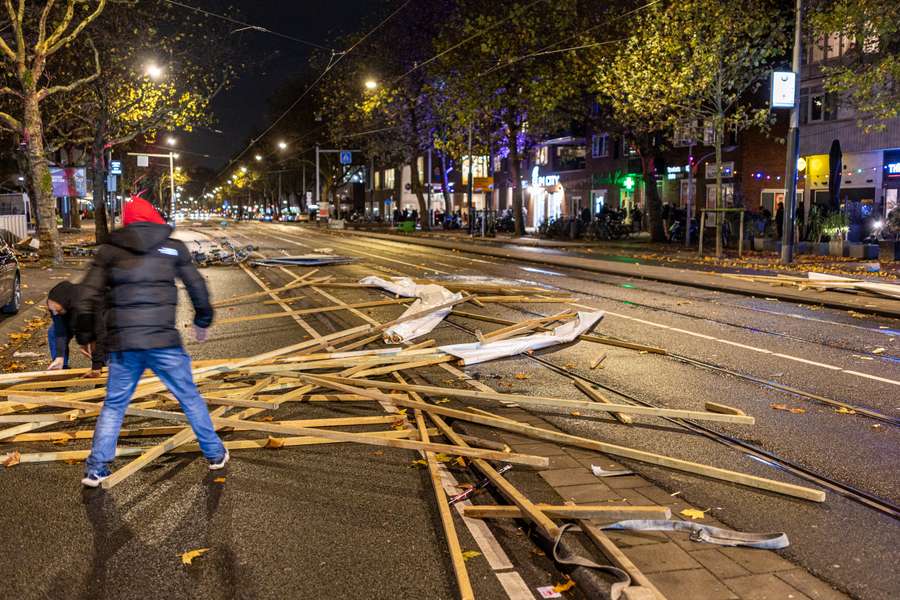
460	461
522	375
266	419
274	443
877	350
565	586
470	554
442	458
693	513
61	441
188	557
419	462
845	411
443	401
219	480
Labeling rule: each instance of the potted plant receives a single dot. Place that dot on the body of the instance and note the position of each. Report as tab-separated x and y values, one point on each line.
836	226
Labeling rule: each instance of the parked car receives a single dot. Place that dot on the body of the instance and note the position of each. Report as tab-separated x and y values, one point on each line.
10	280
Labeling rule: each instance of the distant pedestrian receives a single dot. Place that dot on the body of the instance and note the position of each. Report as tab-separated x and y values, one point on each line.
134	274
62	302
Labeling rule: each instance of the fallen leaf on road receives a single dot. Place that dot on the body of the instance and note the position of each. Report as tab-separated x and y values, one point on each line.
61	441
443	401
378	453
266	419
274	443
419	463
575	413
522	375
693	513
460	461
877	350
219	480
845	411
10	459
188	557
785	407
569	365
470	554
565	586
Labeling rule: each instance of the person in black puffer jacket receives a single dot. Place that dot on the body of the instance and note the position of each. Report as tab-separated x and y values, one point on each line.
134	276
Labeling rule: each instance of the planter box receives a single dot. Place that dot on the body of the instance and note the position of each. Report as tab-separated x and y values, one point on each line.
765	245
839	248
864	251
889	250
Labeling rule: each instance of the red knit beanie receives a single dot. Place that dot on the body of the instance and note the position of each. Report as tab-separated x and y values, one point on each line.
139	210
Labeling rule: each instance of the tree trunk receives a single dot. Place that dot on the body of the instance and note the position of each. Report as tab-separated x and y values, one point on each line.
514	168
653	203
416	184
719	132
445	186
39	172
98	161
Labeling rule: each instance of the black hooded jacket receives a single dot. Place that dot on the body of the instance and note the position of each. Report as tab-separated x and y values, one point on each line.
68	295
134	275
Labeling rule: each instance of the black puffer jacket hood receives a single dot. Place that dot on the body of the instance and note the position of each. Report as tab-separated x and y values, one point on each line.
140	238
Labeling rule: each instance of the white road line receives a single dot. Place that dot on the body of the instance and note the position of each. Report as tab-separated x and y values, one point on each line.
745	346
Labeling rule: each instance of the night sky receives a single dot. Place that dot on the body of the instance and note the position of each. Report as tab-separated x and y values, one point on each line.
242	110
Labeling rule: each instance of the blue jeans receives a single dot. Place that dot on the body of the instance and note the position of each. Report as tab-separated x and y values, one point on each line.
173	367
51	341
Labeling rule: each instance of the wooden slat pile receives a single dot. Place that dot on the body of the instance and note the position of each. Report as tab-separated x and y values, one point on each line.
249	396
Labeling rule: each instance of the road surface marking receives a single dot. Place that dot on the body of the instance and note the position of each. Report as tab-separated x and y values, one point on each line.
755	349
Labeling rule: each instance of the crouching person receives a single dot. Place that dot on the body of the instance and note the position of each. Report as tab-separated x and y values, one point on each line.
62	301
134	275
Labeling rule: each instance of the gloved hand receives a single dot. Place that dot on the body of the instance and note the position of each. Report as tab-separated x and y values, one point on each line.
57	364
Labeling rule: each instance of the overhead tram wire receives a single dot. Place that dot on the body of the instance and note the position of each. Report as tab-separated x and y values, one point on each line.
332	62
234	21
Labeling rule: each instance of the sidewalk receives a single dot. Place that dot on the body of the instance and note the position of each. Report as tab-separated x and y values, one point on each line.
639	248
682	275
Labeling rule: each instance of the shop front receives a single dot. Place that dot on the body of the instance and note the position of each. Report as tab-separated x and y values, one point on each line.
891	178
546	198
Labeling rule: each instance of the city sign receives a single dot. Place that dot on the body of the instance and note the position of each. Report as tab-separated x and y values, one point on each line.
143	160
784	89
538	180
346	157
115	167
893	169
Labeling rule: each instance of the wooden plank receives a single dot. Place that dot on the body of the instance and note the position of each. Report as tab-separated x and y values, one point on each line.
678	464
40	418
298	282
619	559
360	438
594	394
456	557
527	508
182	437
270	442
575	405
604	512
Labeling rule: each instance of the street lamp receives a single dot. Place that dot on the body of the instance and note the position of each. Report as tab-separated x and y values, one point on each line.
282	145
371	84
153	71
258	157
171	141
243	169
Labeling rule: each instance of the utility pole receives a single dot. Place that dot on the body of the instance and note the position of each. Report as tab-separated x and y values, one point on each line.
428	183
172	184
689	213
793	150
318	189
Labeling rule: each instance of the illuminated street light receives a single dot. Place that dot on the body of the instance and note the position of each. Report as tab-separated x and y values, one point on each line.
371	84
171	141
258	157
153	71
282	145
243	169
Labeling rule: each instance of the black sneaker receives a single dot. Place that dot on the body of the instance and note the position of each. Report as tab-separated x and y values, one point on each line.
93	479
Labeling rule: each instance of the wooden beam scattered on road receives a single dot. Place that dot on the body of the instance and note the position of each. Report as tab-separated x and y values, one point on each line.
603	512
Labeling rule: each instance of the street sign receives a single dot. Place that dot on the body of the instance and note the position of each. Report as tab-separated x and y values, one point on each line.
115	167
784	89
482	184
143	160
111	183
346	157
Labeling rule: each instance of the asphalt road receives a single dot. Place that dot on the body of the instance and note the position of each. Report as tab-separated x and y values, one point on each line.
343	521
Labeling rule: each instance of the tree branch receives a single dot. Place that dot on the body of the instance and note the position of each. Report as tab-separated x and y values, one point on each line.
42	24
77	83
11	121
53	47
